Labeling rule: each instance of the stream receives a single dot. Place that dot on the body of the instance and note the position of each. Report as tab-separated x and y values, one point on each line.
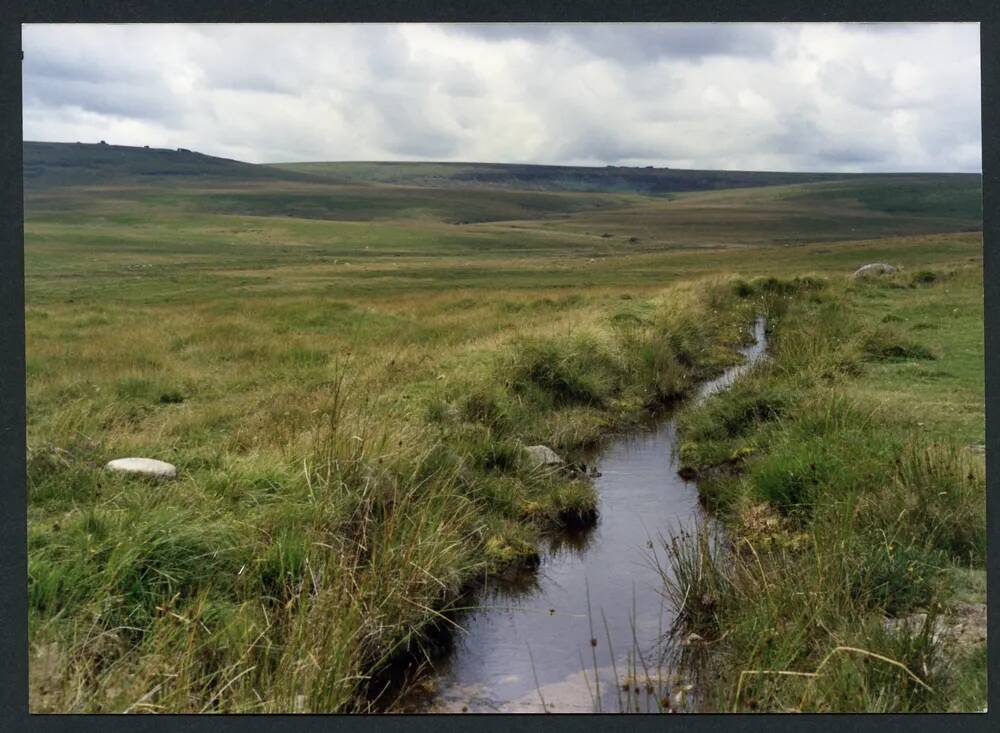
527	647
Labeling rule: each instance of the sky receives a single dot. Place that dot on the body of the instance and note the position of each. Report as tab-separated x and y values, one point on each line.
741	96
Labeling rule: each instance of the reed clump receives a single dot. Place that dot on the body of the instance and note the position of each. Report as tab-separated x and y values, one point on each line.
842	515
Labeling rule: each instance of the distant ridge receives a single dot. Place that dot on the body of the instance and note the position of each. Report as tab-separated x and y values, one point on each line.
60	164
610	179
53	165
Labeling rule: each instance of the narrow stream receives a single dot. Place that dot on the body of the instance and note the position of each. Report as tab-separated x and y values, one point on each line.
530	640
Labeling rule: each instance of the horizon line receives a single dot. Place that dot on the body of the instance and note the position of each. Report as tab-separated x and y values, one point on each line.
540	165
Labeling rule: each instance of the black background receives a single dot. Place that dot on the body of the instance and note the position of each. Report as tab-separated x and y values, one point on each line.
13	534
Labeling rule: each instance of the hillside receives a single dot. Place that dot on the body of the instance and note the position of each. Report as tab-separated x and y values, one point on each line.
617	179
589	205
50	165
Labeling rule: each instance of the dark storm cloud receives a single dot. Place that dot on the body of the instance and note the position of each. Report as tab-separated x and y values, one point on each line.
751	96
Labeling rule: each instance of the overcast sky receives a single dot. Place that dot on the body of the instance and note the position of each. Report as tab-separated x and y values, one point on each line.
854	97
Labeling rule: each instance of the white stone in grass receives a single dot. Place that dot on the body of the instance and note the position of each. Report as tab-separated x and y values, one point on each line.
875	268
143	467
542	455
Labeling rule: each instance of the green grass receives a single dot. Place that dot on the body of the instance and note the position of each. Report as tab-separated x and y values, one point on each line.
846	500
315	481
955	196
344	377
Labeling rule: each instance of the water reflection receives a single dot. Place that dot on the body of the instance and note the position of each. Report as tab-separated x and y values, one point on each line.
573	541
585	630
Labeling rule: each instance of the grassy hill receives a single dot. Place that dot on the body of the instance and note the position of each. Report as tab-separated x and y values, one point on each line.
865	207
49	165
66	181
620	179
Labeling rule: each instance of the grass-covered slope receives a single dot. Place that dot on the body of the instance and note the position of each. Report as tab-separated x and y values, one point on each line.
620	179
51	165
592	203
867	207
955	196
923	193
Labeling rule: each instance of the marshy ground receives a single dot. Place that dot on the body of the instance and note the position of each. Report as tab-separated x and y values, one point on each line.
345	372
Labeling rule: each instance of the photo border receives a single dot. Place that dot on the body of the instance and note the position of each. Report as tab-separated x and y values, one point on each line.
13	520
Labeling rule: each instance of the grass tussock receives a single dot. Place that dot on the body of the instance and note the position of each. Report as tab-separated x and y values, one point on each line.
840	511
318	538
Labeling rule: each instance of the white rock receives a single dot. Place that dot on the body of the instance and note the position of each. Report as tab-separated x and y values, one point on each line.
143	467
542	455
875	268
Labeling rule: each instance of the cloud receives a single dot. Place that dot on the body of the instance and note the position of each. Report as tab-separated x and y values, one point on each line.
838	97
634	42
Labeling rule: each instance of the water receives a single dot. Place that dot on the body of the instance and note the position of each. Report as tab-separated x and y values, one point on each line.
530	639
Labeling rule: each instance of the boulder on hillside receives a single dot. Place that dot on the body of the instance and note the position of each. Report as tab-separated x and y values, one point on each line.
874	269
542	456
149	467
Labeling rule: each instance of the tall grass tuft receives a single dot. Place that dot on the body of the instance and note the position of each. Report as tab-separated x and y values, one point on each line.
838	513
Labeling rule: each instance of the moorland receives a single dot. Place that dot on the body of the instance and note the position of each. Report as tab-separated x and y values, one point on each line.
345	361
